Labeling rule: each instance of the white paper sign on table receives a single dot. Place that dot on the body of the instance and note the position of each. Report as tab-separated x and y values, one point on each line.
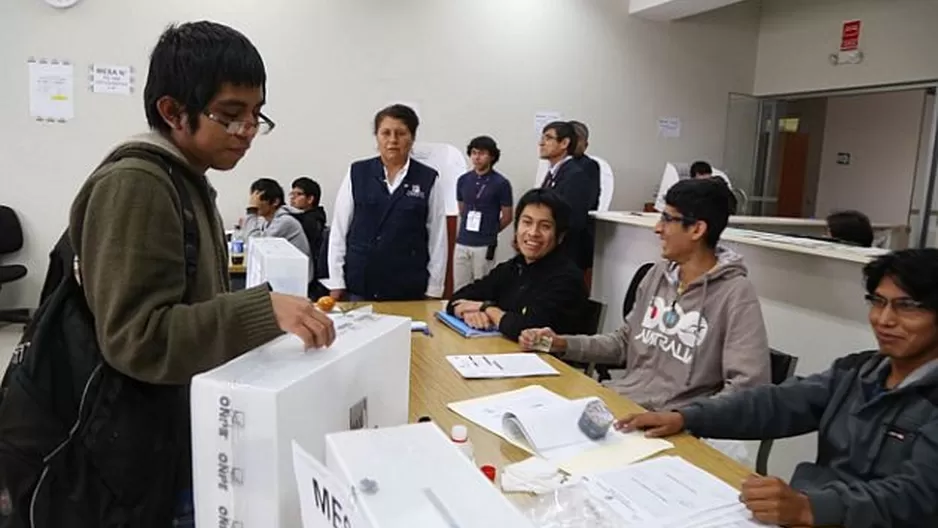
324	502
501	366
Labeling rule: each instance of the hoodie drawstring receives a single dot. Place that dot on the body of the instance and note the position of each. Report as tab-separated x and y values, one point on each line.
693	354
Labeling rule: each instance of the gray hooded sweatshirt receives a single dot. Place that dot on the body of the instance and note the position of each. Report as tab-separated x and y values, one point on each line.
710	340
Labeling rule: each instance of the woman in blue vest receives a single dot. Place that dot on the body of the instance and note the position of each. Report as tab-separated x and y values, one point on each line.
388	237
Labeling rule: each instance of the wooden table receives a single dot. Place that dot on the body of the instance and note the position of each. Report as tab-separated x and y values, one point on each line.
435	384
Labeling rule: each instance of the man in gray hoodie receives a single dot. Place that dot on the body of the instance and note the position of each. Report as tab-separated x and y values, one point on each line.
696	329
875	412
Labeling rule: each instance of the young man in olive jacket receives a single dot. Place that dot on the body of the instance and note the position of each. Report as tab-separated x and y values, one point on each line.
157	322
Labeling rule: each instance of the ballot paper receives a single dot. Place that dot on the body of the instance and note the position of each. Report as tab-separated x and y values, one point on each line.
669	492
546	424
501	366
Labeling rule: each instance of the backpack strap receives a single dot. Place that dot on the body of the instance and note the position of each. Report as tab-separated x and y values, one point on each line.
190	228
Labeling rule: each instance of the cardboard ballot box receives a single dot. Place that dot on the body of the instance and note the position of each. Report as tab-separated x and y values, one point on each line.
278	262
246	413
403	477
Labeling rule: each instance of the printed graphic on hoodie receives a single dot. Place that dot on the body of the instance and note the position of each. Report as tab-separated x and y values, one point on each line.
667	327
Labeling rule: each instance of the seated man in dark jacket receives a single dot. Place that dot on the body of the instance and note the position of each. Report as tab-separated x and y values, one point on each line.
876	414
540	286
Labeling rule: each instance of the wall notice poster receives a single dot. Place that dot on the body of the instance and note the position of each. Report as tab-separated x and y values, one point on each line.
850	36
669	127
51	90
112	79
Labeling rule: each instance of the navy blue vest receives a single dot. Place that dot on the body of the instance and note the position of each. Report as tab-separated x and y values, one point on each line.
387	243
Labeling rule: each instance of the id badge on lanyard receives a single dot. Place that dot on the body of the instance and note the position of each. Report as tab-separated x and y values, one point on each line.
474	218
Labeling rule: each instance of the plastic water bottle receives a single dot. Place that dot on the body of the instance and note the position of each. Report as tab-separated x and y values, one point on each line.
460	437
237	246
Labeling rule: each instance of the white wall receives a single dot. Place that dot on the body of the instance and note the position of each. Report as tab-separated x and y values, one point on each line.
473	66
922	168
881	133
898	39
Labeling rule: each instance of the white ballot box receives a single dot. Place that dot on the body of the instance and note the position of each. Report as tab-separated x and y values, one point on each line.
278	262
403	477
247	413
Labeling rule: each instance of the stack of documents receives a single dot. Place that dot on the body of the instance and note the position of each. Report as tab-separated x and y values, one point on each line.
546	424
669	492
501	366
462	328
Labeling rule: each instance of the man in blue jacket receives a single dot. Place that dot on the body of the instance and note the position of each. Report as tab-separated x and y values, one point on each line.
876	415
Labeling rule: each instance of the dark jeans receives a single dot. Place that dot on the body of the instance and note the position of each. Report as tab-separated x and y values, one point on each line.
185	511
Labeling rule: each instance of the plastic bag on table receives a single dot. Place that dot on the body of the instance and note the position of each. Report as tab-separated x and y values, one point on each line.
571	507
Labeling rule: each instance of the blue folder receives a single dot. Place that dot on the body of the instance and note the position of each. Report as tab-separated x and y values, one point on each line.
462	328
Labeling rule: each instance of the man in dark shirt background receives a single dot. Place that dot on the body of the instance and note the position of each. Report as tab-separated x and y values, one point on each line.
538	287
485	200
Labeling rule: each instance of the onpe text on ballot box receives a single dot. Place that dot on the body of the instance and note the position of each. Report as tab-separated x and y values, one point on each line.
246	413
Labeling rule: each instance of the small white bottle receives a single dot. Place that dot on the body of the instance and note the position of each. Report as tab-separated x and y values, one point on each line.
460	437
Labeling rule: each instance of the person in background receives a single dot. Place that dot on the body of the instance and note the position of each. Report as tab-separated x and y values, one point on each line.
267	216
539	287
696	330
156	323
594	183
700	170
388	235
851	227
484	198
875	412
305	206
568	179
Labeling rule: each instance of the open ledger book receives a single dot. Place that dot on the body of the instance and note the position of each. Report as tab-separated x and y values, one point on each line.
546	424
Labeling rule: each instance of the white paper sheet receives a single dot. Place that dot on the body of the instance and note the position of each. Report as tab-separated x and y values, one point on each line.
51	90
112	79
669	492
501	366
489	412
669	127
542	119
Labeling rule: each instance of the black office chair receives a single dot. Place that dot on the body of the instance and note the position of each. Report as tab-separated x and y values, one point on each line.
11	241
628	303
782	368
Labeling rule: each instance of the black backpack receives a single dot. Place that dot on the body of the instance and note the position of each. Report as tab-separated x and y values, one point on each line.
82	445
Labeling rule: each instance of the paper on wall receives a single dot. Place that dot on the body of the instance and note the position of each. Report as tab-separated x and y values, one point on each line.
51	90
669	127
112	79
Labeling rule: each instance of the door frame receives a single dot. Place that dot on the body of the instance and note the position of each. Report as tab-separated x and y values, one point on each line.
762	172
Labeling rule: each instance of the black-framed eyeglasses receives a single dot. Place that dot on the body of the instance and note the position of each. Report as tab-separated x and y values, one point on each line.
900	305
669	218
261	127
547	137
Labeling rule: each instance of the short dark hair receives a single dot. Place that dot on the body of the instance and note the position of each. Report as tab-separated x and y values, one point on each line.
578	127
913	270
308	186
853	227
192	61
487	144
400	112
707	201
564	130
700	168
550	199
270	190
